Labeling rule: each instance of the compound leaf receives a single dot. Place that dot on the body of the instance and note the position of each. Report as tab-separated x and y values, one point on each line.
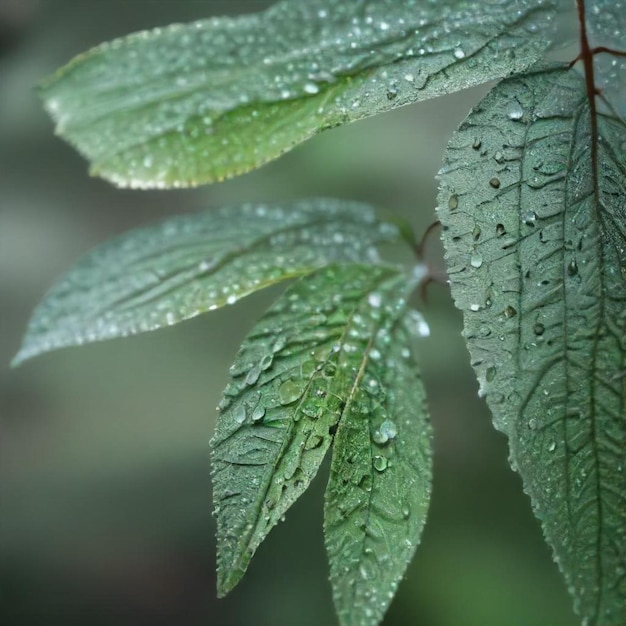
532	203
164	274
295	379
380	477
195	103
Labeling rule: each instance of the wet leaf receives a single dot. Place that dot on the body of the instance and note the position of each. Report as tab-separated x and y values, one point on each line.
194	103
161	275
537	263
293	381
606	23
380	477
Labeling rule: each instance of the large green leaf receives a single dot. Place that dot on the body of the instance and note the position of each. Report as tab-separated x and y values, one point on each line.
534	213
161	275
190	104
295	378
380	477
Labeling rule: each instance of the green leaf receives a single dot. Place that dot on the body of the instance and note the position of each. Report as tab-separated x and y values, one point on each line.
380	477
606	23
161	275
294	379
532	203
195	103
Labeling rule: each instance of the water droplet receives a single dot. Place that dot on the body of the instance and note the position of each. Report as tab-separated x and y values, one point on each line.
406	511
495	182
539	328
476	260
311	409
392	92
474	307
552	446
510	312
453	202
239	414
572	268
532	423
530	217
266	361
258	414
388	429
253	376
279	344
311	88
459	54
477	144
491	373
288	392
514	110
380	438
374	299
380	463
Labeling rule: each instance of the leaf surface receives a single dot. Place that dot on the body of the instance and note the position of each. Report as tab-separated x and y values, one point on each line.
195	103
293	381
532	203
606	23
380	477
161	275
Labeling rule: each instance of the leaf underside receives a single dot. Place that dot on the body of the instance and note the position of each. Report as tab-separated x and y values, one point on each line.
195	103
323	360
161	275
536	251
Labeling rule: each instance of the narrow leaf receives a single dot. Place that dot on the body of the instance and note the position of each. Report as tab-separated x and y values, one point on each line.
292	379
164	274
195	103
532	203
379	486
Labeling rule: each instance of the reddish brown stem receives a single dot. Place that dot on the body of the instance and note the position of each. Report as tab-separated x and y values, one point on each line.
586	56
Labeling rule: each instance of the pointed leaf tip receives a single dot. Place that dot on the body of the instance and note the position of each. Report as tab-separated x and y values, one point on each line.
195	103
293	381
161	275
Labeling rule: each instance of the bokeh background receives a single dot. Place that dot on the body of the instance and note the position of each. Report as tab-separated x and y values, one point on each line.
105	491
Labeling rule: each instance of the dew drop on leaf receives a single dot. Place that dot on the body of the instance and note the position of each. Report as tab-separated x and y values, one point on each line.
239	414
388	429
288	392
510	312
380	463
258	414
476	260
266	361
514	110
530	217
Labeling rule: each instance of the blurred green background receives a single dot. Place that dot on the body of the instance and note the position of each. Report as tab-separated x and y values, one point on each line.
105	488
